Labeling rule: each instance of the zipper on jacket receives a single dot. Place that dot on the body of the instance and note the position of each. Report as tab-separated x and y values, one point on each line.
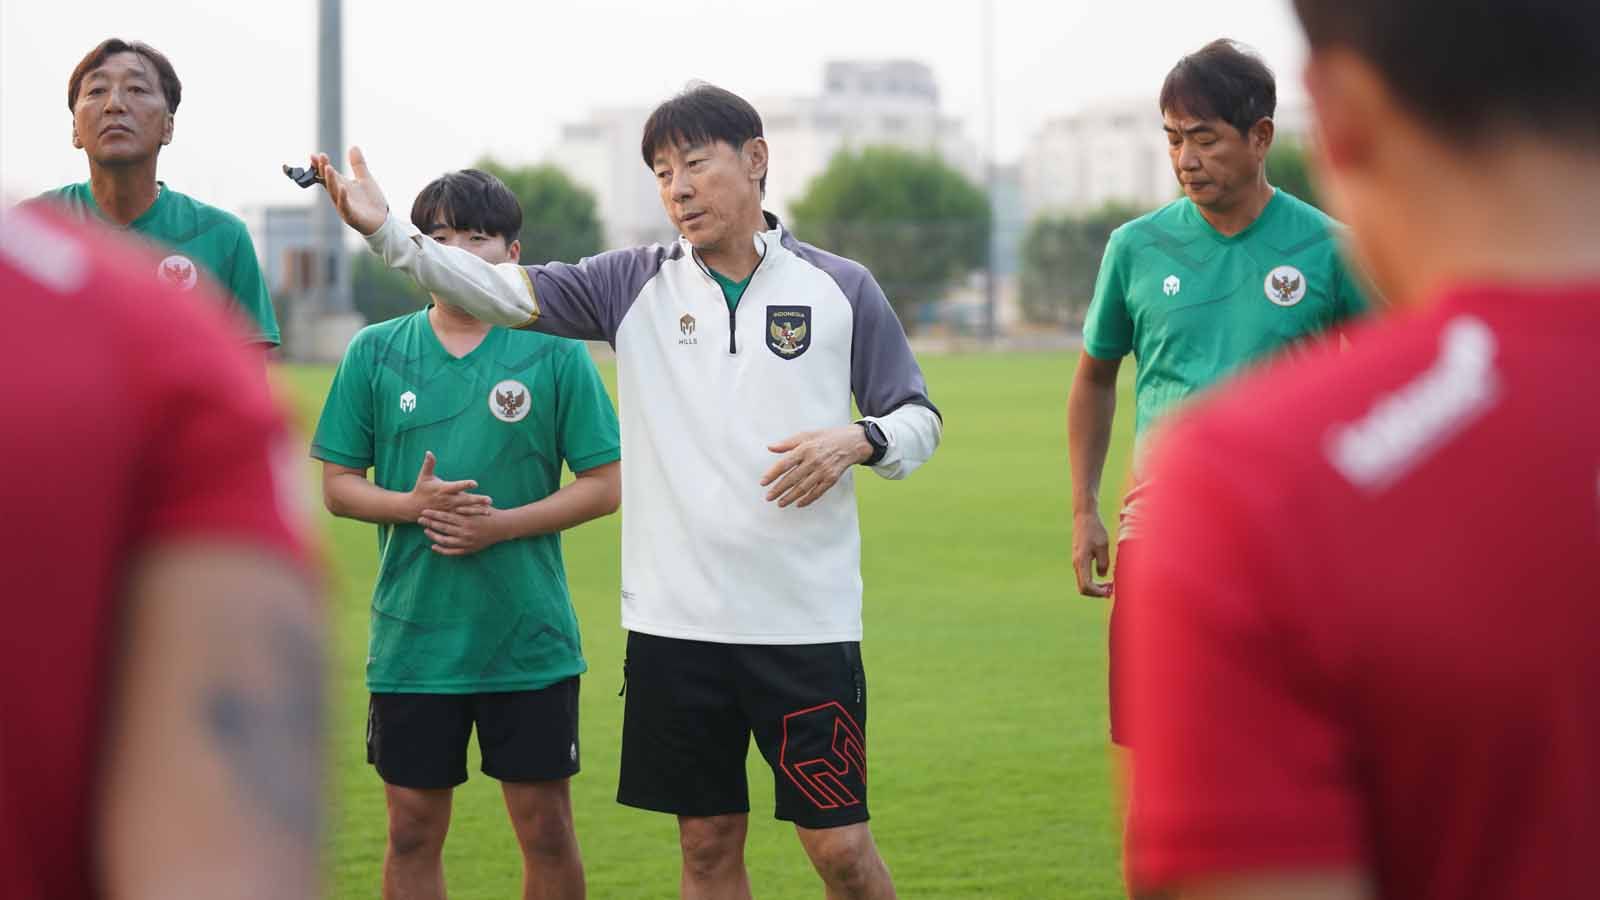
733	317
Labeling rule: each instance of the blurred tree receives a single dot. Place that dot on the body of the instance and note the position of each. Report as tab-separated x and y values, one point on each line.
917	223
1289	167
559	218
1060	259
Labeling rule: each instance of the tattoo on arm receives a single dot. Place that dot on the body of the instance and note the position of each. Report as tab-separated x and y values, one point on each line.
270	734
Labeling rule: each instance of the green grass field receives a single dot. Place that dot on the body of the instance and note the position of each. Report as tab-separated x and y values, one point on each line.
990	773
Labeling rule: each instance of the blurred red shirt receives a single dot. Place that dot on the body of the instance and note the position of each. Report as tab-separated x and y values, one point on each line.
132	415
1367	630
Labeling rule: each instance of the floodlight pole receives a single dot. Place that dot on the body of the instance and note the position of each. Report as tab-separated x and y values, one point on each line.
331	296
991	331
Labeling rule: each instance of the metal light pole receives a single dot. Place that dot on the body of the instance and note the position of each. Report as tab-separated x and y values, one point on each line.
332	294
991	330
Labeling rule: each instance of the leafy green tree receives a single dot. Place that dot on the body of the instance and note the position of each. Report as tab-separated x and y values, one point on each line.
917	223
1060	259
1289	167
559	218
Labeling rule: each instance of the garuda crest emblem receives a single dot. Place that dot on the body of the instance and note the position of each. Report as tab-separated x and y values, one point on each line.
509	401
788	330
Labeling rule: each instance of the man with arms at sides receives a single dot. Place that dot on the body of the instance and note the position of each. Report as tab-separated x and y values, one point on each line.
1232	271
465	427
1363	654
124	96
739	349
161	664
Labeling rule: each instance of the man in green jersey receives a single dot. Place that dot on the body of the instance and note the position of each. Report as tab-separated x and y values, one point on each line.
466	427
123	96
1230	272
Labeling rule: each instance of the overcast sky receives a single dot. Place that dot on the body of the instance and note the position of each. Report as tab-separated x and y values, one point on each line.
432	86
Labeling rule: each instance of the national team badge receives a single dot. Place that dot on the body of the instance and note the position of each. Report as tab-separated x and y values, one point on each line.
178	271
1171	286
1285	285
408	402
508	400
788	330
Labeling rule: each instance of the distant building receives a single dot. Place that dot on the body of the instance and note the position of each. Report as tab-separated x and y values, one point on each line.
1111	153
286	245
862	104
892	103
601	153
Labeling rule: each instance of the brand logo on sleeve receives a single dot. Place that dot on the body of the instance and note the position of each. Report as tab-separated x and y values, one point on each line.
788	330
1171	286
178	271
1285	285
408	402
508	400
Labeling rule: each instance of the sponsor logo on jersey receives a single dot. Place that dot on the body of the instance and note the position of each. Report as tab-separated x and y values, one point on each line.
1285	285
178	271
686	328
1171	286
1403	427
408	402
788	330
508	400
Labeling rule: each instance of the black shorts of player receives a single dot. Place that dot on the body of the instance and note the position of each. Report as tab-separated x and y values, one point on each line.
692	707
420	740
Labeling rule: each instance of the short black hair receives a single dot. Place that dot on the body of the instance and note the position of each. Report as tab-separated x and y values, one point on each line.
1463	64
702	114
171	87
1222	80
469	200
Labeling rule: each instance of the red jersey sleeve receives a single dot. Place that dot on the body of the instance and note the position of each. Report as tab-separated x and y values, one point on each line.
217	461
1240	758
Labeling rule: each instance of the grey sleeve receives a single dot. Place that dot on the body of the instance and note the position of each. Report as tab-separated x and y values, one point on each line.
589	300
884	375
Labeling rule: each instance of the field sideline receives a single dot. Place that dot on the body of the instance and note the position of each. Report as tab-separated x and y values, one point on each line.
989	769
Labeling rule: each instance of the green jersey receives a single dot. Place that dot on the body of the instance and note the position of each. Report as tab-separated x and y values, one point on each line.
1192	305
507	415
193	238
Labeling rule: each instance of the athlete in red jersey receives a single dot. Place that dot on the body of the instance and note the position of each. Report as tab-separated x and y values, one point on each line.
160	685
1364	657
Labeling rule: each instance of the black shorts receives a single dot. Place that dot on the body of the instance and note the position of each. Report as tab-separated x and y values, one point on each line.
692	706
420	740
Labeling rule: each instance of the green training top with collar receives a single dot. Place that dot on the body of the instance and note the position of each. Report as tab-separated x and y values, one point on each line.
1193	305
192	237
507	415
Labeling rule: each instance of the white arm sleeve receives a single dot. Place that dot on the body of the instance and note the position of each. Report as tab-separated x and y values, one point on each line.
913	432
498	294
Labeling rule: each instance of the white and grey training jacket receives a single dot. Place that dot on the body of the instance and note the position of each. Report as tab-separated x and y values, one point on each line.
702	392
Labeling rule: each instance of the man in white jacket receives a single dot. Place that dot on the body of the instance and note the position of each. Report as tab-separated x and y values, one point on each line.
741	582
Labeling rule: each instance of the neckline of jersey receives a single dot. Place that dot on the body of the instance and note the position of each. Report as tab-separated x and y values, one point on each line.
156	206
438	345
1273	203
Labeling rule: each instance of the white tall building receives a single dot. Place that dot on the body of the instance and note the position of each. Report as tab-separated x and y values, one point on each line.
861	104
1114	152
602	154
1110	153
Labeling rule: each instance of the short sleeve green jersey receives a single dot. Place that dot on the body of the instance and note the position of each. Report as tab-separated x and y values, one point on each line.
193	238
507	415
1192	305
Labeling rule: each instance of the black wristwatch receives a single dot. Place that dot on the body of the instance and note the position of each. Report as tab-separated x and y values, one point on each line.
875	437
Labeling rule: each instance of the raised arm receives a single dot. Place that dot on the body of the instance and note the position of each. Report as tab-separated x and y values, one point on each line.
586	301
